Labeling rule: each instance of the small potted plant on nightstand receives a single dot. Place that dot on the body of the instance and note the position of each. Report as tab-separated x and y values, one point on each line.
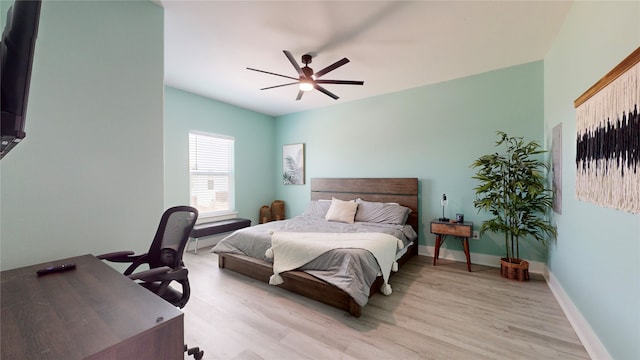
512	189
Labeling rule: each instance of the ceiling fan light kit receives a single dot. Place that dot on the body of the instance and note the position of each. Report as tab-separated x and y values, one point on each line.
308	80
306	85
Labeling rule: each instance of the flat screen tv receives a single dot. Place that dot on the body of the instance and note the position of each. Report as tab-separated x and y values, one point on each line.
17	48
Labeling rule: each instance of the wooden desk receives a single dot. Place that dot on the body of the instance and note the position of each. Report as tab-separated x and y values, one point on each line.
462	231
92	312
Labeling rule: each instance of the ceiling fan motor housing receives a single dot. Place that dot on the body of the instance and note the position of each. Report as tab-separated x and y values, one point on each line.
308	72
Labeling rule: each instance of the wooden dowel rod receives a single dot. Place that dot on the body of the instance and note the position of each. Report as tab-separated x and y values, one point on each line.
625	65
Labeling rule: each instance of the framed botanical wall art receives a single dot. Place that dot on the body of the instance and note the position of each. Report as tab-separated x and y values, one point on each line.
293	164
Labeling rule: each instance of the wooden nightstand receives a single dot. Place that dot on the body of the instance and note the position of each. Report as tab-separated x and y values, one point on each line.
462	231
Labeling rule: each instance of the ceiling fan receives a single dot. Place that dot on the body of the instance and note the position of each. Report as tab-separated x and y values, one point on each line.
309	80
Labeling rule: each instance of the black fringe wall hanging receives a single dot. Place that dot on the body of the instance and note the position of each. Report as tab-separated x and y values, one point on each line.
608	139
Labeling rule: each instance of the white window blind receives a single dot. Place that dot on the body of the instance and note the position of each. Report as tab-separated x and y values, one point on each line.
211	173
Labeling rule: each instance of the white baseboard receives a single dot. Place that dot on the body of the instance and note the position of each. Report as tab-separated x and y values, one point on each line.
480	259
587	336
585	333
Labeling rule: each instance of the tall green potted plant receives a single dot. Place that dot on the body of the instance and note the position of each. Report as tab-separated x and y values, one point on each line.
512	189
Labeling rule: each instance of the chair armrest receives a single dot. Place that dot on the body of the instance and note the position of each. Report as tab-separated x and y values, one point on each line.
118	256
151	274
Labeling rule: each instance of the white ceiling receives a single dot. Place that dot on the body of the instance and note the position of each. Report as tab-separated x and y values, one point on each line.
392	45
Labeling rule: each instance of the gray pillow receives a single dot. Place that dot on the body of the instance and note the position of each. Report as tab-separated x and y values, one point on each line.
317	208
382	213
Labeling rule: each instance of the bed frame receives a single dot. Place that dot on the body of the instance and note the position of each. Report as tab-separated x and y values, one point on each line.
397	190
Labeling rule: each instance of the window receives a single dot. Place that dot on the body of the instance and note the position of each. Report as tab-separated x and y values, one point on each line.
211	173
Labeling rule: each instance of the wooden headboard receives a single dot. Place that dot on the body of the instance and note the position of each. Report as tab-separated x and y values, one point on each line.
403	191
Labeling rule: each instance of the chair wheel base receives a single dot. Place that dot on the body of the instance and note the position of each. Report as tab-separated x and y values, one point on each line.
195	352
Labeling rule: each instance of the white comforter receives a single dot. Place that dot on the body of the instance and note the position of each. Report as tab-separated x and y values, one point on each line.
290	250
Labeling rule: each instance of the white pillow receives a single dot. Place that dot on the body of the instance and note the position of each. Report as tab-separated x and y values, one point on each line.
342	211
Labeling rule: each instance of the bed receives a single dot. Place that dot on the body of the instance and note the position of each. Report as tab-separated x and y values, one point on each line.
309	282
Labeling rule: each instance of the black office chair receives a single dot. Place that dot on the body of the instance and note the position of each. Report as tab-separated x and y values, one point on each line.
164	259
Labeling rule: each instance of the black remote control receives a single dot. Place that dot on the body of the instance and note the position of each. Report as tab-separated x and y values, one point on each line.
54	269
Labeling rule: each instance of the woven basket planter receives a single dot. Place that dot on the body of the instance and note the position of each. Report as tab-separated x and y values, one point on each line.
516	270
265	214
277	210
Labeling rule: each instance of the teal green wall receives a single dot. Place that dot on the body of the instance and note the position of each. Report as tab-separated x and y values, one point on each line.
99	164
433	133
86	177
596	258
254	133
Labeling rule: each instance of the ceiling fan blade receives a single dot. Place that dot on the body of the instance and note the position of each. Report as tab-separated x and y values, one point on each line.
327	92
300	92
270	73
271	87
340	82
331	67
293	62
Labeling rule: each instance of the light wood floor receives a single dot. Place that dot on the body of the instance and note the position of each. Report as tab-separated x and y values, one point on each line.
441	312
